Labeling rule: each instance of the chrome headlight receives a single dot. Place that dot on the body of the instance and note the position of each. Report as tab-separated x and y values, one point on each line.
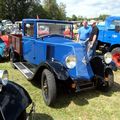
107	57
4	76
71	61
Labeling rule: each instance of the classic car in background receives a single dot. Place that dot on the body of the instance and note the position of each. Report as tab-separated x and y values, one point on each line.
109	37
14	99
2	49
4	46
7	26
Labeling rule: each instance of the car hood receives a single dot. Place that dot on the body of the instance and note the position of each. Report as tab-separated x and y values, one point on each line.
61	40
60	48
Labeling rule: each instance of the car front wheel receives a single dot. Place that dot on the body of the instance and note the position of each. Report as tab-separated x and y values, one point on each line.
48	85
107	82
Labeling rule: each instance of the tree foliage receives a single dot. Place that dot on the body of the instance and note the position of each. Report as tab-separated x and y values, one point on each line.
53	10
19	9
15	9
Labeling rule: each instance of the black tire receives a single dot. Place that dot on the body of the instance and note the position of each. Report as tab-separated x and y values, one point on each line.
0	58
108	81
116	56
22	116
12	59
48	85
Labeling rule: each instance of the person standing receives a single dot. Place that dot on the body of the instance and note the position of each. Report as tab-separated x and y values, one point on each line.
83	32
75	31
67	31
92	43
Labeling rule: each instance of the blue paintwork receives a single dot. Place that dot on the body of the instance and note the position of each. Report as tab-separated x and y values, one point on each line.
2	48
35	50
108	35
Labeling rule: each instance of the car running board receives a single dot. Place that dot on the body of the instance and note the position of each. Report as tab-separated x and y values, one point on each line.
25	71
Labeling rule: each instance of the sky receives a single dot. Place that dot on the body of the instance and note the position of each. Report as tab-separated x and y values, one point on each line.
91	8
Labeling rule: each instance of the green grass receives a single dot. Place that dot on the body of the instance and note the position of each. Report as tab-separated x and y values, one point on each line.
87	105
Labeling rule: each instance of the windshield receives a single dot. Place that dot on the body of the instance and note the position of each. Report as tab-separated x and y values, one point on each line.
114	24
54	28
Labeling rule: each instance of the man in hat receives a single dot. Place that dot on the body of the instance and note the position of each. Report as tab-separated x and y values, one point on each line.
92	40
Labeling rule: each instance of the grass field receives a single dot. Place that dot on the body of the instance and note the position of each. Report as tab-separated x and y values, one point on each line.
87	105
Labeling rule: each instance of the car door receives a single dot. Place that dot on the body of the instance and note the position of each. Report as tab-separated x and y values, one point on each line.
28	42
112	32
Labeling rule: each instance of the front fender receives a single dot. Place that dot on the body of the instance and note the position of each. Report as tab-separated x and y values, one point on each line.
14	99
98	66
57	68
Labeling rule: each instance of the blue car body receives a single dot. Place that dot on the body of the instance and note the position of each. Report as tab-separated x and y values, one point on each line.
60	48
108	33
2	48
56	47
109	38
46	52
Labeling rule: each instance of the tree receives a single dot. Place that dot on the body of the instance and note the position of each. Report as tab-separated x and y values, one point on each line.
53	10
15	9
102	17
74	18
38	10
62	11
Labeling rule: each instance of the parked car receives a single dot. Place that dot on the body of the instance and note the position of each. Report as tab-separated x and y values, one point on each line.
45	54
109	37
1	27
7	25
14	99
2	49
17	28
4	46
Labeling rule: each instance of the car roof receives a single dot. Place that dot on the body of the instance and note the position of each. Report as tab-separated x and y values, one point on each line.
111	18
47	20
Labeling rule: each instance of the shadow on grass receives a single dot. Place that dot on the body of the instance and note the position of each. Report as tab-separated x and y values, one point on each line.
65	96
40	116
3	60
82	98
36	83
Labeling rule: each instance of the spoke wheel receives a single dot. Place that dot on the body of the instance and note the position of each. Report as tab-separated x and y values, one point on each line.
116	59
107	82
116	56
48	85
45	87
108	78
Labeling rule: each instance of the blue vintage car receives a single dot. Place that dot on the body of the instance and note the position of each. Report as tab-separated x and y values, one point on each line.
2	49
109	37
46	52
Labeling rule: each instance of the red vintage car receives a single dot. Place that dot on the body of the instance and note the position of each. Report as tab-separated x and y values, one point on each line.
5	39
